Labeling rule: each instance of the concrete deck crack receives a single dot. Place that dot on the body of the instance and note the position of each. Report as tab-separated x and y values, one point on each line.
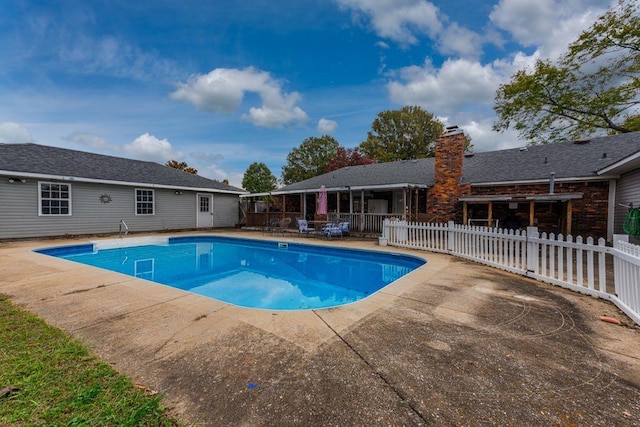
123	315
373	369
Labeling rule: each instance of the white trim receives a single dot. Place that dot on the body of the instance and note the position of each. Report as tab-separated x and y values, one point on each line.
398	186
523	198
135	201
619	163
40	198
541	181
112	182
612	210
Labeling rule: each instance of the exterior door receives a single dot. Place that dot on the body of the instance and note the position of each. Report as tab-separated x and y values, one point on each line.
205	211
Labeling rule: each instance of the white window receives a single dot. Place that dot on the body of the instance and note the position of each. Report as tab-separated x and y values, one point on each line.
144	202
54	199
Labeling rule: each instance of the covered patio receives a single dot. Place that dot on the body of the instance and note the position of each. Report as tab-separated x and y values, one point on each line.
551	213
365	207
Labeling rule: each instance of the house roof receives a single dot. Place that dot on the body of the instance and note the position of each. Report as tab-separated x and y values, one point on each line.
45	162
580	160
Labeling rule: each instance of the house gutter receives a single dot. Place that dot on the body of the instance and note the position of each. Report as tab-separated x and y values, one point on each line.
331	189
619	163
543	181
112	182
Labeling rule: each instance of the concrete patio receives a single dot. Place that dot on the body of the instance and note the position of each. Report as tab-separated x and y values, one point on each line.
453	343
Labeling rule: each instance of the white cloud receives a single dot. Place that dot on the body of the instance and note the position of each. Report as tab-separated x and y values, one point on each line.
14	133
223	89
549	25
148	147
460	41
88	139
454	86
397	20
326	126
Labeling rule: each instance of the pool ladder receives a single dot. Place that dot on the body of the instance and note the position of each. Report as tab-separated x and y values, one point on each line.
120	225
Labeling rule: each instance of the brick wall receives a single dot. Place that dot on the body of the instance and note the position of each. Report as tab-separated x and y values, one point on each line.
589	214
442	198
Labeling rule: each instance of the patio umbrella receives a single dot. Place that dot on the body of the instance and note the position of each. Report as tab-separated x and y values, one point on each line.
322	201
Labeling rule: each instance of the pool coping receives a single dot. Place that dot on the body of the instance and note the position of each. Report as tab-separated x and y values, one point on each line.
178	343
60	251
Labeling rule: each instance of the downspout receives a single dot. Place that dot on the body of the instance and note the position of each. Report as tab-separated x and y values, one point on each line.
611	214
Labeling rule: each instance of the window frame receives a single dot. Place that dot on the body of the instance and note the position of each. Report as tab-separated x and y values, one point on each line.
41	199
136	202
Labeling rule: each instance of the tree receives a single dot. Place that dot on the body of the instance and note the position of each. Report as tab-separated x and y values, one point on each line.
183	166
310	159
258	179
593	88
408	133
348	157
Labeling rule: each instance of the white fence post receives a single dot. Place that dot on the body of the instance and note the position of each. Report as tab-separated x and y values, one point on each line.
450	236
561	260
532	250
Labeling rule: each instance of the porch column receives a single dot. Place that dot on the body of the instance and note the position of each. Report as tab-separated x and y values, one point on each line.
489	214
569	214
404	203
350	201
338	205
362	210
465	213
304	205
532	208
284	206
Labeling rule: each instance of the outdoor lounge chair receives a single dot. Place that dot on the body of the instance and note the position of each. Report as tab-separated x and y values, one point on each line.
281	225
332	230
303	226
344	227
272	225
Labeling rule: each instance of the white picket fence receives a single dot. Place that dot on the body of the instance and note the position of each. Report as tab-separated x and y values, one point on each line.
578	264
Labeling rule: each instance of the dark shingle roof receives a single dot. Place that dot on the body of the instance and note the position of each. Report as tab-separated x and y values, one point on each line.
415	172
567	160
61	162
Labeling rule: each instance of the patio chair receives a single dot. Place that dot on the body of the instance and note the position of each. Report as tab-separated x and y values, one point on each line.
272	225
281	225
344	227
332	230
303	226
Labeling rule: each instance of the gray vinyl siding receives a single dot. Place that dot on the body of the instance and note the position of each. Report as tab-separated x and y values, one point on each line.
226	209
627	191
19	211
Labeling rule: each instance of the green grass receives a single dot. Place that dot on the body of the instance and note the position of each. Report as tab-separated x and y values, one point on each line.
55	381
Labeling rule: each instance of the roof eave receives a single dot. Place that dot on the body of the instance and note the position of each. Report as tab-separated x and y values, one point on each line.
113	182
543	181
334	189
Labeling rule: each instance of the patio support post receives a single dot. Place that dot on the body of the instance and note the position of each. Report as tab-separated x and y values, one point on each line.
304	205
532	208
490	215
465	213
404	204
569	214
337	205
284	206
362	210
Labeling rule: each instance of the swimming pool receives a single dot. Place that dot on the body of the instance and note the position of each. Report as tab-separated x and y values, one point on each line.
248	273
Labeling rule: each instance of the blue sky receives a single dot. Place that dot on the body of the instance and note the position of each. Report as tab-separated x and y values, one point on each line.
222	84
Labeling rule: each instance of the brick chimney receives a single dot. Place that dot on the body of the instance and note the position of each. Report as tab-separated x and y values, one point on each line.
443	196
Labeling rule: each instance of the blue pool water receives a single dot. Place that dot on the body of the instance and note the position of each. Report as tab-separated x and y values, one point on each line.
250	273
